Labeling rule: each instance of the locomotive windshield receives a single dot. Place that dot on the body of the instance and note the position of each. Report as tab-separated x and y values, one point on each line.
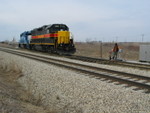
59	27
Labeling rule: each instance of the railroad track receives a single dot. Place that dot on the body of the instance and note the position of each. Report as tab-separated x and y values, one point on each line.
140	82
105	61
111	62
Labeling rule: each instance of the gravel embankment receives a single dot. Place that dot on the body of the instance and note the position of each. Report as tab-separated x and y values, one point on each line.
67	91
13	97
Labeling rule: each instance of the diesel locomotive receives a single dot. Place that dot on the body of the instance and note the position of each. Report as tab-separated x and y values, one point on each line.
55	38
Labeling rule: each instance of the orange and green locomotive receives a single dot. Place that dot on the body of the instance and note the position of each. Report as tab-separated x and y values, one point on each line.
55	38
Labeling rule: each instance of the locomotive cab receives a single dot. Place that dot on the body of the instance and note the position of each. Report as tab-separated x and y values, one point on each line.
64	40
25	38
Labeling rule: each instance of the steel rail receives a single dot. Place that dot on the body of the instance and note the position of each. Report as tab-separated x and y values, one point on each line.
110	62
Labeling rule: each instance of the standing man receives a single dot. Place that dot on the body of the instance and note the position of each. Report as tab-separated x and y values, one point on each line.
115	51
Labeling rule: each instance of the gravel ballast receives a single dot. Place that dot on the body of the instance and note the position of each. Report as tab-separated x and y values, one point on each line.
67	91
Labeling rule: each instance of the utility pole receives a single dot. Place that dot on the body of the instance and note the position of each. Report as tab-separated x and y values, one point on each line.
101	45
116	38
142	37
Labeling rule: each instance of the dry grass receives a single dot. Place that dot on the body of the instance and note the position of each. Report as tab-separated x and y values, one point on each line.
93	49
13	97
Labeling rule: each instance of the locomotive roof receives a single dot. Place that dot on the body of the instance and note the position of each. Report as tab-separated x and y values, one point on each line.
25	33
47	27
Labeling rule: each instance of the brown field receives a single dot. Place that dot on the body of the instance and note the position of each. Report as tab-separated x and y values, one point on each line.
130	50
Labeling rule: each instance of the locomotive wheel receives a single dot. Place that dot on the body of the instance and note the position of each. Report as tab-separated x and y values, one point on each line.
50	49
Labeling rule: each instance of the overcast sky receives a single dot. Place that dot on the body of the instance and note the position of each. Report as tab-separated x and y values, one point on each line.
99	20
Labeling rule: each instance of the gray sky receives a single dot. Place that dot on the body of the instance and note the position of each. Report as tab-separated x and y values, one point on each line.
106	20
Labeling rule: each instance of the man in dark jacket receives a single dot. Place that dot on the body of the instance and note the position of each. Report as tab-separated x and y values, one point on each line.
115	51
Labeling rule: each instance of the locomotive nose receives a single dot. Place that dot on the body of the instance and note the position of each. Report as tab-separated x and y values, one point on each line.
63	37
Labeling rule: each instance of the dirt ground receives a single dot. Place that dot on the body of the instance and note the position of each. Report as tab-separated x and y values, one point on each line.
13	98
